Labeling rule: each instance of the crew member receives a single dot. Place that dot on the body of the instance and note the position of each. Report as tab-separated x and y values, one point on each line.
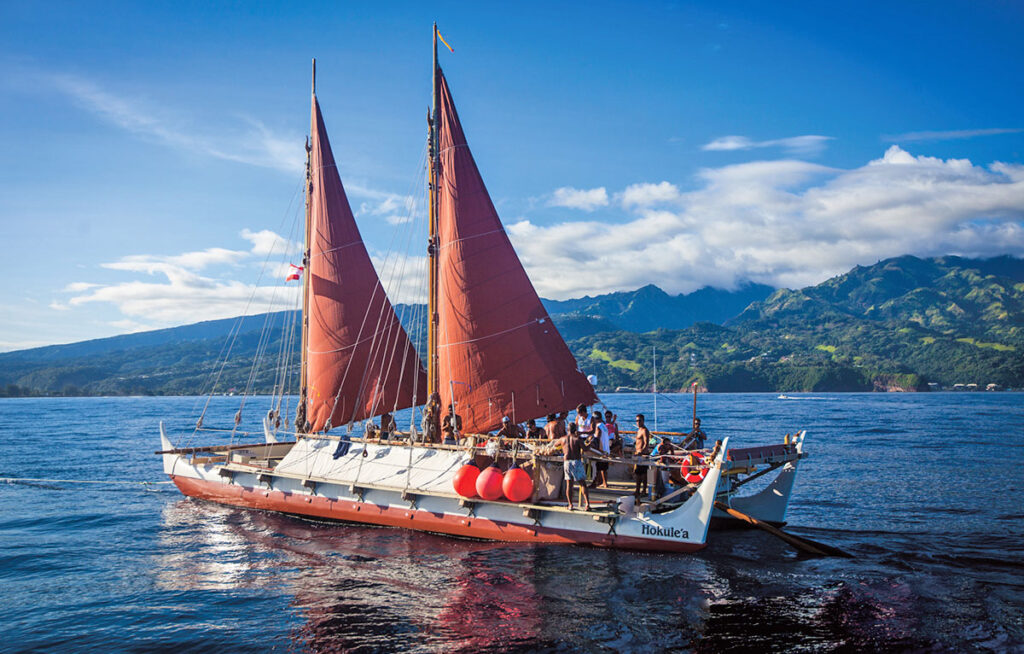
695	439
640	448
572	464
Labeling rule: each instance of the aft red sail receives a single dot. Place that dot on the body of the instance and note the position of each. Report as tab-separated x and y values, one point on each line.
495	339
360	360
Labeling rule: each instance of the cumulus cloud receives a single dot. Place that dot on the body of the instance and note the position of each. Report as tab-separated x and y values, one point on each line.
646	195
949	135
574	198
396	209
804	145
785	223
200	285
186	293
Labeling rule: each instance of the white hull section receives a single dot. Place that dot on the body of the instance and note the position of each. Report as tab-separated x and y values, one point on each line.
411	486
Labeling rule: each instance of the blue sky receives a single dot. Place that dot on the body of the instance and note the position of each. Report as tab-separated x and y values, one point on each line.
152	150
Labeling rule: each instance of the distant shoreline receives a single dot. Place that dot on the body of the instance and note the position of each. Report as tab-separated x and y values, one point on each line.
603	393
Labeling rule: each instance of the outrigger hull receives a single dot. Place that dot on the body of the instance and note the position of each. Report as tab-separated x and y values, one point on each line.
771	503
421	505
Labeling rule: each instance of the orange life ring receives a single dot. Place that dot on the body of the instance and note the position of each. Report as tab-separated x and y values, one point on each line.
692	460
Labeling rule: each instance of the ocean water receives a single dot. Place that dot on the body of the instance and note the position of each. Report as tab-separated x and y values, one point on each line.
925	490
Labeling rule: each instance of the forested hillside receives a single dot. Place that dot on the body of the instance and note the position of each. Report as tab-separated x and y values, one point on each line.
896	325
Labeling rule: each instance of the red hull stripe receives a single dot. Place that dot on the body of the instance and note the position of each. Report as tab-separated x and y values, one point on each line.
438	523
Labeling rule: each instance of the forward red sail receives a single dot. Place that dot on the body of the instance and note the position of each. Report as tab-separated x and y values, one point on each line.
360	360
496	341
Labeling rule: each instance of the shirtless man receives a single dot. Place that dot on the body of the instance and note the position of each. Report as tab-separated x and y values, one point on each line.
510	429
643	443
554	429
572	464
451	426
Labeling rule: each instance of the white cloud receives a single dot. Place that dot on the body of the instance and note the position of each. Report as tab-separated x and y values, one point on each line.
785	223
645	195
404	277
186	295
266	242
804	145
949	135
256	146
58	306
396	209
574	198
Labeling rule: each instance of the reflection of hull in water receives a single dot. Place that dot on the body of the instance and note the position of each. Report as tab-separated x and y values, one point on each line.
410	487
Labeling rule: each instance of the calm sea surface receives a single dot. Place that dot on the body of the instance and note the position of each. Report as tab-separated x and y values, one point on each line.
925	490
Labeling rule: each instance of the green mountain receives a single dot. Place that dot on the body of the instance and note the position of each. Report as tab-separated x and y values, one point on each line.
649	308
898	324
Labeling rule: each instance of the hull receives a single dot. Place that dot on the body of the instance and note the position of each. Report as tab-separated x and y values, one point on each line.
410	487
771	503
464	526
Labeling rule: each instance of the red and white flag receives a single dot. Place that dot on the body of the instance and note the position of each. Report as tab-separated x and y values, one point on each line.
294	272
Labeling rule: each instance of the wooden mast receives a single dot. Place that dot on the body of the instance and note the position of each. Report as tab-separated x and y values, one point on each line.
300	415
432	247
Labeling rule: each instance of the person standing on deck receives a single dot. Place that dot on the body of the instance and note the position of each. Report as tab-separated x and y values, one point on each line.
695	439
555	428
532	430
451	426
563	418
387	426
584	425
432	419
602	442
662	452
572	464
509	429
611	422
640	448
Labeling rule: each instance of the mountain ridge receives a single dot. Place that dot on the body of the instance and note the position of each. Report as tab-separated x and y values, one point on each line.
897	324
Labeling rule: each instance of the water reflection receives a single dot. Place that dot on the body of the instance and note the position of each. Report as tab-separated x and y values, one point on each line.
351	587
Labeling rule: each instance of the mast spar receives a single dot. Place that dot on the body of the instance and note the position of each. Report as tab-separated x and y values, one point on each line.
432	242
300	414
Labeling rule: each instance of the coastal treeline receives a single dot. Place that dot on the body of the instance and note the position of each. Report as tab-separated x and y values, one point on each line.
902	324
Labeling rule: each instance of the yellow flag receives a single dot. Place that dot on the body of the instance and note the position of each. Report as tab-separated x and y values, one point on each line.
450	49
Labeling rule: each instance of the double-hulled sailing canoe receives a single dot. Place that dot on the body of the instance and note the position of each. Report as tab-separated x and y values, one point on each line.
493	351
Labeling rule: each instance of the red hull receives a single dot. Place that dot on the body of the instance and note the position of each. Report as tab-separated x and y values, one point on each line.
439	523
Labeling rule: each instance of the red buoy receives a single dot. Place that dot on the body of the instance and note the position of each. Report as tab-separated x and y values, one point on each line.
465	480
488	484
517	485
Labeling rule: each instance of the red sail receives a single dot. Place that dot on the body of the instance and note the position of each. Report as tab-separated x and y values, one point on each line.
360	360
495	339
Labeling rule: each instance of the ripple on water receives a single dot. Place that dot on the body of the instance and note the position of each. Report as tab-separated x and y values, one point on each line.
938	555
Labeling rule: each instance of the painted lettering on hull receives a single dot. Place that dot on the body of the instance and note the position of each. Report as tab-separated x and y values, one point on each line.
664	532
